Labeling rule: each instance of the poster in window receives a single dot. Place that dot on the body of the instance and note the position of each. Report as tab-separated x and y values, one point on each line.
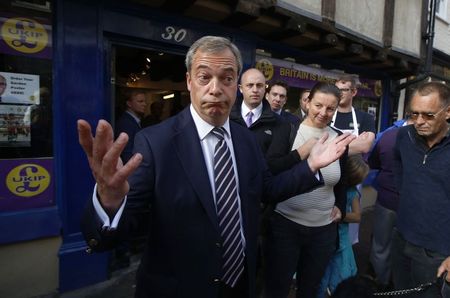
25	36
15	125
26	184
19	88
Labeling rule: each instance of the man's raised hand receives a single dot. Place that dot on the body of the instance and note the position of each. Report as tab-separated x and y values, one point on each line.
103	154
323	153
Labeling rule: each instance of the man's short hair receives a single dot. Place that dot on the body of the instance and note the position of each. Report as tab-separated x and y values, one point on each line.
213	44
278	83
134	92
348	78
441	89
304	91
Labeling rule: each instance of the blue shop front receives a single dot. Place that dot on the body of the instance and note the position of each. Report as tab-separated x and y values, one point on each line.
64	60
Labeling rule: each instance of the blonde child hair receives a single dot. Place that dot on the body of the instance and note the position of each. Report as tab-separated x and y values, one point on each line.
357	170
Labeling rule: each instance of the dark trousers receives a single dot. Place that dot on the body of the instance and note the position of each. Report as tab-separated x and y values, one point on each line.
413	265
292	248
380	253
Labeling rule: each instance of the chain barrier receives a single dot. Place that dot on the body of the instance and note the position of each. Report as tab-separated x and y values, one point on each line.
417	289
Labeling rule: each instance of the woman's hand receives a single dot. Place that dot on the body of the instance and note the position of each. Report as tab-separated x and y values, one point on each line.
336	214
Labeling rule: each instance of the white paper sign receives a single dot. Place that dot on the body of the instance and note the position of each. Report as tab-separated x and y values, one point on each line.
19	88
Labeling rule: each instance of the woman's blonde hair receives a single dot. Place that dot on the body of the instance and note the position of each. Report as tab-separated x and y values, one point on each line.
357	169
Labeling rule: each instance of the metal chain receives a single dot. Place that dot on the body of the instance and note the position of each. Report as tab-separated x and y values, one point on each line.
417	289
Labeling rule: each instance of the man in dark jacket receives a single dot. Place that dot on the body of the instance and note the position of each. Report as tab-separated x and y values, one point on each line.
422	168
271	131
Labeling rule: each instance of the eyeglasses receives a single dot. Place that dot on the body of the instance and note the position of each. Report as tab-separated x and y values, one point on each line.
345	89
425	116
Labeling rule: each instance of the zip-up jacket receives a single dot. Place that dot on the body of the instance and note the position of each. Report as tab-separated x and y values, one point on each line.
423	181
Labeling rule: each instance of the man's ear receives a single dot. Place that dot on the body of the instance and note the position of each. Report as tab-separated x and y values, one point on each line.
354	91
188	81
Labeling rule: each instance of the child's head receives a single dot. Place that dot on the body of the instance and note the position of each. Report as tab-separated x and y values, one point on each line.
357	169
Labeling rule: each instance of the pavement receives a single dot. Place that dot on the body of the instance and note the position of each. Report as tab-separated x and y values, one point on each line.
122	282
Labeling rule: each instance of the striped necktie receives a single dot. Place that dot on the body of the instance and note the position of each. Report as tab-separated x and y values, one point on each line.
249	119
228	211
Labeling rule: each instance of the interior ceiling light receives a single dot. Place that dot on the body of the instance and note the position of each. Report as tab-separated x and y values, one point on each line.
171	95
148	59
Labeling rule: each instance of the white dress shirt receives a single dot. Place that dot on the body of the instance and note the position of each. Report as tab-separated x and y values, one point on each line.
256	111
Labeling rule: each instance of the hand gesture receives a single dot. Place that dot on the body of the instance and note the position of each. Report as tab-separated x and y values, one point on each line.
362	143
336	214
323	153
305	149
445	266
103	154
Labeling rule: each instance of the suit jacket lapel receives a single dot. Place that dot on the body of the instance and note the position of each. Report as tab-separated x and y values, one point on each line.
189	151
241	155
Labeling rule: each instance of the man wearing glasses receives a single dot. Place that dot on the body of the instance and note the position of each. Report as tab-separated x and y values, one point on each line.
421	240
349	119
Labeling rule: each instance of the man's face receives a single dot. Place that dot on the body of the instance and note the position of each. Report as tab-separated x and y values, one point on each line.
428	115
304	101
347	93
253	87
137	104
277	97
2	85
212	82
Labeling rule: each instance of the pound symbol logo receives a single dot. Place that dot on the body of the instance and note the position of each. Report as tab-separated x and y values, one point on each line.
28	180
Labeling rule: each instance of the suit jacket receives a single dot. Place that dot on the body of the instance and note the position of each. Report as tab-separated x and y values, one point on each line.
294	120
127	124
273	134
290	118
183	257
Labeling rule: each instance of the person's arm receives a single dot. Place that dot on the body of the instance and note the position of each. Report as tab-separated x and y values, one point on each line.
101	216
374	157
355	215
444	267
362	143
340	189
397	162
367	129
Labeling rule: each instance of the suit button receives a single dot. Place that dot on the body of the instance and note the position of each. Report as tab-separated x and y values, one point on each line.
218	245
88	250
216	280
92	242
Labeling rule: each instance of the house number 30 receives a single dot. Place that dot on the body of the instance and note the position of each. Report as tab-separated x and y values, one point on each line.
172	33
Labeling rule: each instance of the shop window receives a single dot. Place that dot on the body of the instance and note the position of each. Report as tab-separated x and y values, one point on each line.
26	135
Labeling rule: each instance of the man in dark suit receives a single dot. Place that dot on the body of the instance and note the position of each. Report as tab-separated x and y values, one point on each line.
174	171
302	110
130	121
276	95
